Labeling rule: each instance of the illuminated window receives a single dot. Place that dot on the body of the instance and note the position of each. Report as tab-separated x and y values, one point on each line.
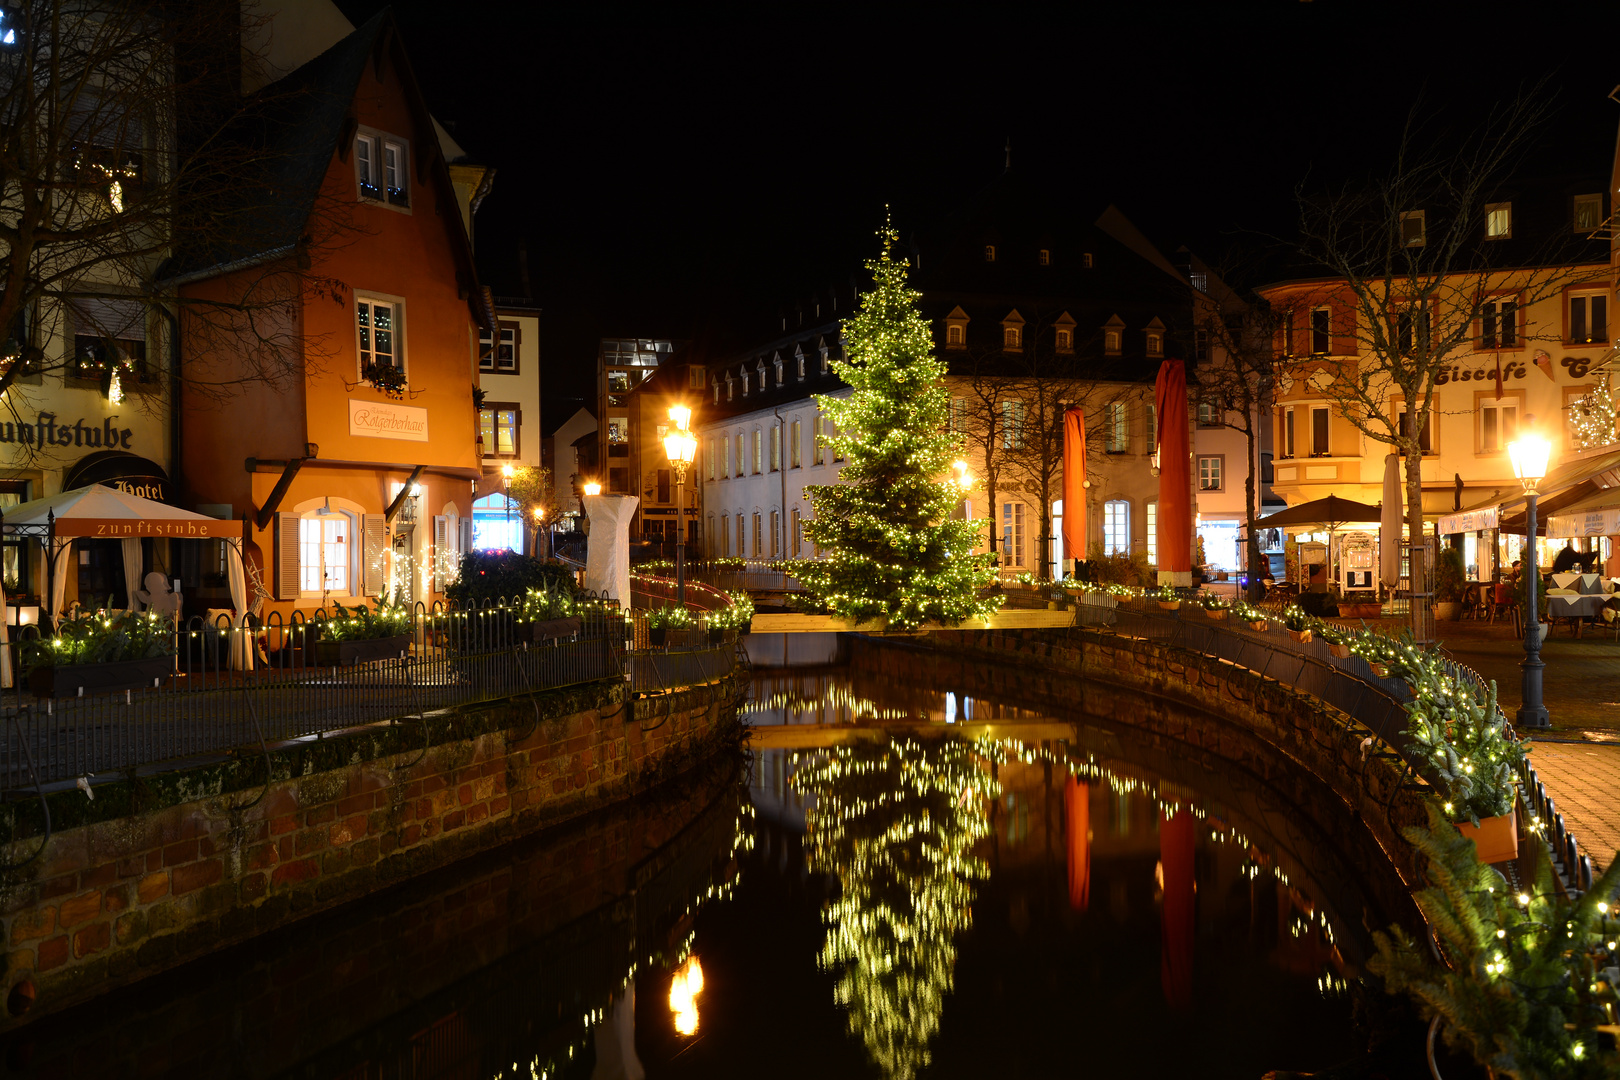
776	448
1498	221
989	253
1011	337
725	534
798	535
323	553
1116	527
1151	515
953	335
498	424
1111	340
1155	344
1044	257
794	441
741	460
818	453
1065	340
1210	473
1498	423
710	458
1012	534
958	415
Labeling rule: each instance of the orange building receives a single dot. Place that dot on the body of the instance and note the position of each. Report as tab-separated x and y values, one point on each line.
356	468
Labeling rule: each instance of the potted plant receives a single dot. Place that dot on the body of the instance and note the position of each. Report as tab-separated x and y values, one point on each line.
1298	625
1469	752
98	652
661	620
546	615
1336	640
724	623
1215	606
1168	600
362	634
1450	585
1257	619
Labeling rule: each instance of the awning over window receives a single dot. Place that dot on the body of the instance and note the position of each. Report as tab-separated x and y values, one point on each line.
1563	487
1595	515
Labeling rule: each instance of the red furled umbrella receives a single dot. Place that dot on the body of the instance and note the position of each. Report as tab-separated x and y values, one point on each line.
1077	819
1177	841
1074	480
1175	489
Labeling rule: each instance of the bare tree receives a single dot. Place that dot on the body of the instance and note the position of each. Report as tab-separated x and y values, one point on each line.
978	419
1414	269
124	142
1045	387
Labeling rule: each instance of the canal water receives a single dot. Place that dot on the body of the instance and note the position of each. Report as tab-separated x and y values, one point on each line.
901	878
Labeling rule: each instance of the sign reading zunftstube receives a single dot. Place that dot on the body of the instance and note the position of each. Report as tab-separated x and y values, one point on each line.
376	420
190	529
47	431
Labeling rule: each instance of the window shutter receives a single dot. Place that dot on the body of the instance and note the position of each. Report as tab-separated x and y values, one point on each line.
374	532
287	556
466	535
441	551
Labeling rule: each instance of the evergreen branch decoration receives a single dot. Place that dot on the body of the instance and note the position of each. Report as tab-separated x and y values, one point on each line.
894	551
1527	986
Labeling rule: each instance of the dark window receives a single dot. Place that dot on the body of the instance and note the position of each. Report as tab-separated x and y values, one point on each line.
663	485
1319	432
1499	325
1425	437
619	481
1321	334
1589	318
1200	345
108	335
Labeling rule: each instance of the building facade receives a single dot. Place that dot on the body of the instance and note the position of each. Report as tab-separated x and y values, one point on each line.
508	421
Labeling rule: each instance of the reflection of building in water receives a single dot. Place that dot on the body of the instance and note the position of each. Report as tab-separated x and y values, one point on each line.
897	823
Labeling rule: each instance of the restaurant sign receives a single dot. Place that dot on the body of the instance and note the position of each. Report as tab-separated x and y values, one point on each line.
1470	521
178	529
378	420
1588	523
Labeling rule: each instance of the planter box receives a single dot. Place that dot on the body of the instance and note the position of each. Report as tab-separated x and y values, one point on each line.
1380	671
1447	610
1217	613
1496	839
342	653
547	629
1301	636
1261	625
658	636
66	682
1170	605
1340	651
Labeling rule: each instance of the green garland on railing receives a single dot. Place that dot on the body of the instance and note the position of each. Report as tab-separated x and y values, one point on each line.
362	623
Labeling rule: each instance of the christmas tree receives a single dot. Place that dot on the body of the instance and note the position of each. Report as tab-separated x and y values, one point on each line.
1592	416
897	824
893	550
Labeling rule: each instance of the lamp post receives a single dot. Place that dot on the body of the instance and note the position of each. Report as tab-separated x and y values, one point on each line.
1529	454
680	446
539	529
507	472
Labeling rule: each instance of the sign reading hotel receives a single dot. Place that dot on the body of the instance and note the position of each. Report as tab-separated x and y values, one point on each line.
378	420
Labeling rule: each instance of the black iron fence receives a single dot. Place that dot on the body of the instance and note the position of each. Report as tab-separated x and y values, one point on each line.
226	687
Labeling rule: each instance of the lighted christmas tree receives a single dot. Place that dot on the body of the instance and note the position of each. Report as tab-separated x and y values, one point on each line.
893	549
1592	416
897	824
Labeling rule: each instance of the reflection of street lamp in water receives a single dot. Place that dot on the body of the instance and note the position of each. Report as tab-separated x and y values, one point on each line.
684	988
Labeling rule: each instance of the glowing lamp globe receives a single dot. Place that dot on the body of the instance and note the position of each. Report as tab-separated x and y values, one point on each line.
681	415
593	488
1529	454
681	446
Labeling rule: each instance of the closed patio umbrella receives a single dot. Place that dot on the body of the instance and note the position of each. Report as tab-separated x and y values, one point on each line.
1389	525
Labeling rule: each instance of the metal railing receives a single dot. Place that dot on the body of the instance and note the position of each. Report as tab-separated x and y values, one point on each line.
280	679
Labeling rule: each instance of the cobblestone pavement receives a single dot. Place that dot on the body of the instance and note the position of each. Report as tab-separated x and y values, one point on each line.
1584	780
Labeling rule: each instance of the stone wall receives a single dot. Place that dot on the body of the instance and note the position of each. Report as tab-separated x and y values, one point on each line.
158	870
1357	794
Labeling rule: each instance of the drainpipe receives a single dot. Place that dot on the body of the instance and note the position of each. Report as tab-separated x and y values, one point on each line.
176	459
781	467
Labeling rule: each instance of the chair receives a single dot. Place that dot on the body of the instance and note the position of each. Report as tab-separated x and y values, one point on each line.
1504	598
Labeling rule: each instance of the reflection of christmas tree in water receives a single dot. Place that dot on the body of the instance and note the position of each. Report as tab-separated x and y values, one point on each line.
897	823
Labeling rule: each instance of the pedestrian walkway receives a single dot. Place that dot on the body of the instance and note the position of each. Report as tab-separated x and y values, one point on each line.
1579	760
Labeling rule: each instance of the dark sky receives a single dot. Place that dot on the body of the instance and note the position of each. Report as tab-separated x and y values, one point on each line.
677	173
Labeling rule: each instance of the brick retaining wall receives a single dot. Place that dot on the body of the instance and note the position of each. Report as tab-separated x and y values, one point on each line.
158	870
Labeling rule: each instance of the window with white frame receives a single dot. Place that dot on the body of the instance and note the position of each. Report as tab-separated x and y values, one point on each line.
379	328
381	168
1150	511
1116	527
1155	343
1413	231
1111	341
725	534
498	426
1285	433
1498	423
1209	413
1012	534
1211	470
710	458
742	461
1588	212
794	441
1499	324
1012	425
1498	221
1012	337
758	444
818	452
776	448
1065	340
1117	428
1588	317
954	335
325	539
498	355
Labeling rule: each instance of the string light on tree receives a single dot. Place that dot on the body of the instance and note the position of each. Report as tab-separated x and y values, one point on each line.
894	551
1592	416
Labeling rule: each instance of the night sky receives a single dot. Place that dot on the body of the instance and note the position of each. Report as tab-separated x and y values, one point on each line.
684	174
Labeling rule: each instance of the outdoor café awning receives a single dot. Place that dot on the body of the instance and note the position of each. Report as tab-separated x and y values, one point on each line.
1573	481
1596	515
1328	513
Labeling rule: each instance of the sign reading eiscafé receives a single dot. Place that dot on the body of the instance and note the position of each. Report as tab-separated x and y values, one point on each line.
377	420
189	529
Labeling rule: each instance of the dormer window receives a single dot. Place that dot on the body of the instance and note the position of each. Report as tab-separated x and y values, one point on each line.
745	382
1155	344
717	390
956	329
989	253
1044	257
731	389
798	360
824	351
1063	333
1588	213
1012	332
381	164
1498	221
1113	336
764	383
953	337
1413	232
1085	260
1065	341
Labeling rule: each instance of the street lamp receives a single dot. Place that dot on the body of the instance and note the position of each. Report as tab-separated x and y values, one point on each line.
1529	454
593	488
680	446
539	526
507	472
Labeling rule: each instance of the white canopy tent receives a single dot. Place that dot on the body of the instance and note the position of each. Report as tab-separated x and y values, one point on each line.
105	513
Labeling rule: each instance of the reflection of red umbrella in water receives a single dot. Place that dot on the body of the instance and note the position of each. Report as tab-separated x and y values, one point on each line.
1077	813
1176	842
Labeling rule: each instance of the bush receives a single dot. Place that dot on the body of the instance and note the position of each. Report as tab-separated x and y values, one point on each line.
1119	568
1450	579
362	623
502	575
